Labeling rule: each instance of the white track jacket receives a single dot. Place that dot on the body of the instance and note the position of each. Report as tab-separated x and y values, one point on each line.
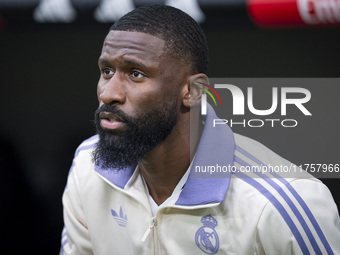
223	208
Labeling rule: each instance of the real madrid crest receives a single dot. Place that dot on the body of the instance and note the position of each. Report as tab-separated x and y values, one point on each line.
206	237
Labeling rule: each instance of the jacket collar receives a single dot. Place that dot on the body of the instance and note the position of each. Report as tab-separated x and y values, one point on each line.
216	148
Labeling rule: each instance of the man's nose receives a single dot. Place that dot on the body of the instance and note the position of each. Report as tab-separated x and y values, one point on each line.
113	91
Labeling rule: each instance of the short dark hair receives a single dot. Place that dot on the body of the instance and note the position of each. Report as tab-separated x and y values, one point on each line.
184	38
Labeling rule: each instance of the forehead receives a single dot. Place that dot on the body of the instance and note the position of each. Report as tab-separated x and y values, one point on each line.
133	44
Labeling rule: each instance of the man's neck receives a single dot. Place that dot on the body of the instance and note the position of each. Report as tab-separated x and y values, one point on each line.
162	169
164	166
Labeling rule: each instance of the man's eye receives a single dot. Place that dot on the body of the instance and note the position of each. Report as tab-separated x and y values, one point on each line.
107	71
136	74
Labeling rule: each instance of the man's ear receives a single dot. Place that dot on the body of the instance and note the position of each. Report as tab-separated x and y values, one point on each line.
192	91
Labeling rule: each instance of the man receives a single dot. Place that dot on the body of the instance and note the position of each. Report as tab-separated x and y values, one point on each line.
132	188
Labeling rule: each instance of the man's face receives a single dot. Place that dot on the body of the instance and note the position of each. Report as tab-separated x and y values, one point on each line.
139	99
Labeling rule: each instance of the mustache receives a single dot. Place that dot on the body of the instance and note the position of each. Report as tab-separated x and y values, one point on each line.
114	110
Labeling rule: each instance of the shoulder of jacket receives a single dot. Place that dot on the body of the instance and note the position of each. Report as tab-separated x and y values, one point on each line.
87	144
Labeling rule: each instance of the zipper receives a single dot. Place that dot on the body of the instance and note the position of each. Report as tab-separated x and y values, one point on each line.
147	232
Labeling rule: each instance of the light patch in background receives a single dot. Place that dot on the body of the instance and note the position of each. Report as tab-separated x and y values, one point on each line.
112	10
319	11
54	11
191	7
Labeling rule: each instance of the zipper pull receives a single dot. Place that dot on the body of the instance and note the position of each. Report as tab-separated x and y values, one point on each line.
147	232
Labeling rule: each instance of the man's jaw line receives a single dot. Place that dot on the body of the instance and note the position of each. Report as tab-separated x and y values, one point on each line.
166	153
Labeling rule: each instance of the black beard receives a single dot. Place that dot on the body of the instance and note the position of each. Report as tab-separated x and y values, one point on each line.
143	133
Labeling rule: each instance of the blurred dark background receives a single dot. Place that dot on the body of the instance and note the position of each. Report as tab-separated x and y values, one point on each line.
48	95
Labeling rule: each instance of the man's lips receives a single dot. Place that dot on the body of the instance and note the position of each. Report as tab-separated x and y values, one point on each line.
110	121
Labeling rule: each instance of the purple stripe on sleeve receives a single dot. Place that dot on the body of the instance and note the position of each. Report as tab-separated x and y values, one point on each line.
297	197
85	147
309	214
63	243
279	207
289	202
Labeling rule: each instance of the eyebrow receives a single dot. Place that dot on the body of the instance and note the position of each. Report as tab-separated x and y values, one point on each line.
102	61
137	64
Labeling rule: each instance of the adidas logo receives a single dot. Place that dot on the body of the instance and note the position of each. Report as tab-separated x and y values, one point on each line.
121	219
